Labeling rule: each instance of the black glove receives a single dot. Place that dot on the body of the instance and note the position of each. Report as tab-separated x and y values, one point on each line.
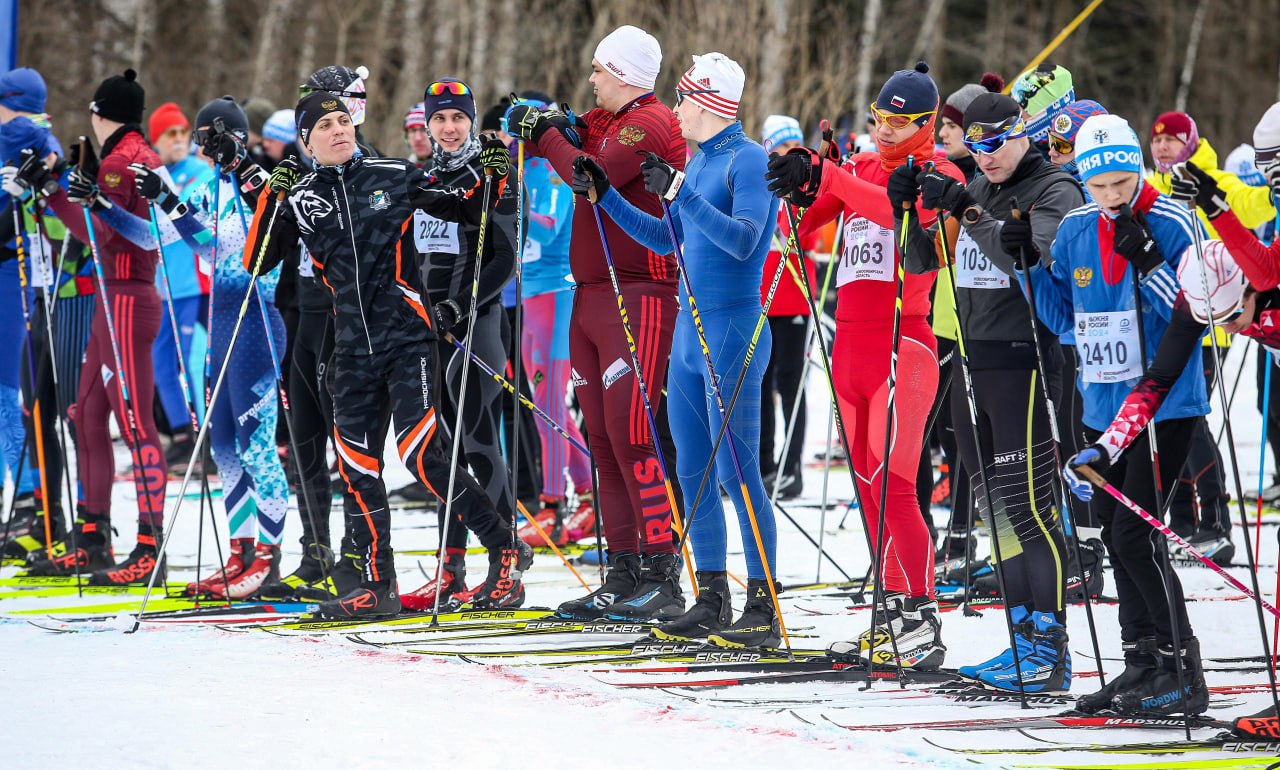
495	158
940	192
902	188
589	179
525	121
152	187
1016	240
660	177
447	314
1203	189
83	189
284	176
1135	243
796	176
33	174
226	150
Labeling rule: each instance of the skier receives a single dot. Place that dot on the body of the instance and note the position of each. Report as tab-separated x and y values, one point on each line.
279	139
187	289
383	361
1042	93
1062	136
1112	269
348	85
789	329
724	214
951	121
1016	438
905	113
643	578
416	137
447	258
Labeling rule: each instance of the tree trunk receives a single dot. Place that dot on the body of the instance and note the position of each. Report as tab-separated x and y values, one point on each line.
866	47
1189	61
265	61
923	46
773	56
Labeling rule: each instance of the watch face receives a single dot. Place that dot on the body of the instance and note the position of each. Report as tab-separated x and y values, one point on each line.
972	214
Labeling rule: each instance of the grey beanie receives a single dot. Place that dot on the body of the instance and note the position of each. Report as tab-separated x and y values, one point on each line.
953	109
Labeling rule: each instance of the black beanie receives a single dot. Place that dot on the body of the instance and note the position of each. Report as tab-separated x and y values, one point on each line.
991	108
232	114
491	120
311	108
120	98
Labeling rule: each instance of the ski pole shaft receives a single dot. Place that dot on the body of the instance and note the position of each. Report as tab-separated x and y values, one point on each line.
547	539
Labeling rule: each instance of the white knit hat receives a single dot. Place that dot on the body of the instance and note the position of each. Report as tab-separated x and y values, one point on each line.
631	55
714	83
1107	143
1266	136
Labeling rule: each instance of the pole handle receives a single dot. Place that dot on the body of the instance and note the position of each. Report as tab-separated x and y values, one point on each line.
1092	476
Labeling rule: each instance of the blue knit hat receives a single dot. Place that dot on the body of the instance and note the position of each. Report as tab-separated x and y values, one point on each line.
779	129
908	92
1068	121
23	90
1107	143
447	100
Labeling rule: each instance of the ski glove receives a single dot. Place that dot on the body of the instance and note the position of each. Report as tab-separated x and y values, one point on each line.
903	188
1191	183
84	190
32	174
796	176
1093	456
447	314
660	177
11	183
589	179
1272	172
152	187
225	150
1134	241
495	158
1016	240
939	191
284	176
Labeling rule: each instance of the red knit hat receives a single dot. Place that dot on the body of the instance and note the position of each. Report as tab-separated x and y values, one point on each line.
1180	126
165	117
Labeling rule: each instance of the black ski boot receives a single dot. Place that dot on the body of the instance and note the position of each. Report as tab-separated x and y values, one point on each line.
711	612
1159	693
347	575
619	582
25	529
92	550
366	601
758	626
315	567
1139	665
502	588
658	595
137	569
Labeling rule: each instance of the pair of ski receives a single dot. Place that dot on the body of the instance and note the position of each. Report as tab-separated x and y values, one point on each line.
1226	742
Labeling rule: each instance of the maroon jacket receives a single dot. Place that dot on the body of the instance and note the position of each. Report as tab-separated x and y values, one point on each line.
121	259
619	143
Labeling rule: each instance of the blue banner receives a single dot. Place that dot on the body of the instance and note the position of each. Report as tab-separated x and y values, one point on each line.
8	35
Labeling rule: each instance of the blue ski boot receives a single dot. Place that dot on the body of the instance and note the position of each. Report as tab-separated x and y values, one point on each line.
1004	659
1046	669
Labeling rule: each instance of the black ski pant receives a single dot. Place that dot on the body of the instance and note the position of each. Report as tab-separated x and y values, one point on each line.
369	393
783	377
518	422
1202	475
1139	555
1070	409
311	418
1019	508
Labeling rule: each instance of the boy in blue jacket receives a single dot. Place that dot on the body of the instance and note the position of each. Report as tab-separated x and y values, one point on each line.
1112	279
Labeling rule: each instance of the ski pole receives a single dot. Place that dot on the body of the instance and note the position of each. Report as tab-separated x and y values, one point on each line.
966	377
1221	388
547	539
462	388
517	365
1061	494
683	271
681	530
524	400
213	398
822	553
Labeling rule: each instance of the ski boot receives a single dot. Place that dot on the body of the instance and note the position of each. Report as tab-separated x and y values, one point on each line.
1018	615
619	582
912	625
451	585
242	555
264	568
314	569
1044	669
1159	693
25	529
658	595
138	567
346	576
1139	665
92	550
1214	544
367	601
503	587
711	612
550	517
790	487
1094	555
851	650
758	626
582	522
1263	726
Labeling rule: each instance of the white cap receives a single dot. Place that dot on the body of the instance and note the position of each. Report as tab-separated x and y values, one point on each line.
1266	136
714	83
1225	278
779	129
631	55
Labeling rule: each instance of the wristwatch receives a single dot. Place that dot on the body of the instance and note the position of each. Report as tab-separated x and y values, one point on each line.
972	214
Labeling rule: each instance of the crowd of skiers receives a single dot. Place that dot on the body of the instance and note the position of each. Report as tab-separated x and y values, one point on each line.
645	276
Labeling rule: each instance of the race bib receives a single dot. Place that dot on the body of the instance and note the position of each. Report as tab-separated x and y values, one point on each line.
868	252
973	269
434	235
1108	346
41	260
532	251
306	268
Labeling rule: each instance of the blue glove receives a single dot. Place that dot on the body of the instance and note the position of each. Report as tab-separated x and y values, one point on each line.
1093	456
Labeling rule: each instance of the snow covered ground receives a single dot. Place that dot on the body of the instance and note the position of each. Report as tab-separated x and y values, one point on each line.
203	697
